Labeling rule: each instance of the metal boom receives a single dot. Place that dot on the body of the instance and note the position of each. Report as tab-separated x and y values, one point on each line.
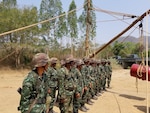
124	31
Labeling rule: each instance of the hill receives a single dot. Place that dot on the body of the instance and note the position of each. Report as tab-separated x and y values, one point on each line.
133	39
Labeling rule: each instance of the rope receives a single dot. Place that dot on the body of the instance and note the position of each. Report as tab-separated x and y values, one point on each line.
117	13
129	34
139	70
32	25
113	20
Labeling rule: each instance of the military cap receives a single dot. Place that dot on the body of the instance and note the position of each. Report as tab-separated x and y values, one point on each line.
86	59
62	62
40	59
79	62
68	60
53	60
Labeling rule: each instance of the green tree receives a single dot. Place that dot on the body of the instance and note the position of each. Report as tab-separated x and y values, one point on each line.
13	18
10	3
91	19
72	24
117	47
49	30
106	53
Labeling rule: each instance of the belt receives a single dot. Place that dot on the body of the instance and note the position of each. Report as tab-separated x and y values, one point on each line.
69	89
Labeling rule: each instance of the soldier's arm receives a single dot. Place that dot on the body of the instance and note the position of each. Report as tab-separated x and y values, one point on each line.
27	88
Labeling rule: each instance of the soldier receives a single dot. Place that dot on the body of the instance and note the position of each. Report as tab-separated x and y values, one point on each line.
52	82
109	73
99	76
67	90
34	88
103	70
92	70
81	85
88	85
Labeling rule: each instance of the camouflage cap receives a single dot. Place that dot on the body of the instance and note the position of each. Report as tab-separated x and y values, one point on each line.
40	59
68	60
92	61
86	59
79	62
53	60
62	62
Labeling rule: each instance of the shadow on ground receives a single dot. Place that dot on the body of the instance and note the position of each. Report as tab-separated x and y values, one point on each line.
132	97
142	108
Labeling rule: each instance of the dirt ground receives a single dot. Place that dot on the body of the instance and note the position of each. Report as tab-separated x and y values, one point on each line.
121	97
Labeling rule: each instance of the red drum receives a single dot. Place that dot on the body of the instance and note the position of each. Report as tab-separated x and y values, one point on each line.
139	71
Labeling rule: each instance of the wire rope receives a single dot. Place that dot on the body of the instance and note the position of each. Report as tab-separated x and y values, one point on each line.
32	25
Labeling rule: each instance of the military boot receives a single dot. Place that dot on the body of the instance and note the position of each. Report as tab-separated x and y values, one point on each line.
86	107
83	109
89	103
94	98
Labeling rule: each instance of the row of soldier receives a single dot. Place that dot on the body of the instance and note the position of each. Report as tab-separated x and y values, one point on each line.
71	86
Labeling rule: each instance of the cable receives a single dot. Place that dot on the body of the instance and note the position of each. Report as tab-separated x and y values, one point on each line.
113	20
129	34
115	13
111	13
32	25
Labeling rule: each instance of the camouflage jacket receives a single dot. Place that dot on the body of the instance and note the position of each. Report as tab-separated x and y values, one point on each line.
68	83
34	88
52	77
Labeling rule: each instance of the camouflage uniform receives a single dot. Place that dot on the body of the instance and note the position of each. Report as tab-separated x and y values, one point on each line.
79	87
87	84
66	94
92	75
52	82
99	70
103	70
34	88
109	73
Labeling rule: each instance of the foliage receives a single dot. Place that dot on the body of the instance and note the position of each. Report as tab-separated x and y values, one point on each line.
90	19
72	21
51	37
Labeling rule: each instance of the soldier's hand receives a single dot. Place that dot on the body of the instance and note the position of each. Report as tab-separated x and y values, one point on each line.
85	88
62	100
90	85
77	95
48	91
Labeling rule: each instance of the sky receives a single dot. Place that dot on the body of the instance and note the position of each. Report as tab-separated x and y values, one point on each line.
108	25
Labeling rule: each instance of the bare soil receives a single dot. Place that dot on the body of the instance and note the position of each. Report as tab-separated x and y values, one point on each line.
124	96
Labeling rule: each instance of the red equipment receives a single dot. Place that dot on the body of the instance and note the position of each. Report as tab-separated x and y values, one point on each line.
139	71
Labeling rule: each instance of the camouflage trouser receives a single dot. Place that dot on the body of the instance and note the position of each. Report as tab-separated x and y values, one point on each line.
92	89
84	97
67	106
99	85
103	82
52	94
76	104
37	108
108	80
